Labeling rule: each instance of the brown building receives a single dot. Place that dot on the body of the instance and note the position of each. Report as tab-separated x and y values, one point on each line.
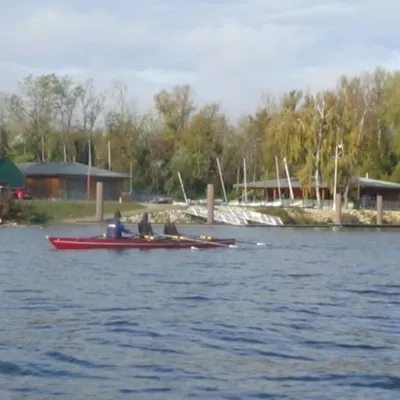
269	189
71	181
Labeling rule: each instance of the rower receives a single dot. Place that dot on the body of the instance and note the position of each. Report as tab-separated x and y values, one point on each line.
144	226
116	228
170	228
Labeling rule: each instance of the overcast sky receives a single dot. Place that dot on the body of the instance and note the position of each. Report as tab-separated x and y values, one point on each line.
230	51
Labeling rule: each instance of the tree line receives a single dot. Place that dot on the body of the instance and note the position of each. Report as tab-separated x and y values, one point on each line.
50	118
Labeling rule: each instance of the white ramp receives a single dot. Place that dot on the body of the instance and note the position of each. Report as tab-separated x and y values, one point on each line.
221	216
256	217
237	216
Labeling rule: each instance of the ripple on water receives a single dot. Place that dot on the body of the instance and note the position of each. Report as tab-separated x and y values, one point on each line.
313	315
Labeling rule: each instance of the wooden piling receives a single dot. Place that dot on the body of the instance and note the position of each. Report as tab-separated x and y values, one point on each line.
338	209
99	202
210	203
379	209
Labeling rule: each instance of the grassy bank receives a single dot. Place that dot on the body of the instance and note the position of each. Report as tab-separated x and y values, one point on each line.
57	211
42	211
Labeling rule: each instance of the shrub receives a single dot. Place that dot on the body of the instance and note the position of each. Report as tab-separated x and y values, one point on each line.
19	211
10	209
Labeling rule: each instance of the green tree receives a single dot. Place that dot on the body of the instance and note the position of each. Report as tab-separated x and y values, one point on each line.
49	113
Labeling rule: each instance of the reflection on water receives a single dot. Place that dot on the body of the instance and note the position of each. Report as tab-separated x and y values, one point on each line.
313	315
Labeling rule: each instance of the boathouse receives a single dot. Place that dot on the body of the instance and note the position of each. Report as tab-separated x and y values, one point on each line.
269	189
71	181
363	191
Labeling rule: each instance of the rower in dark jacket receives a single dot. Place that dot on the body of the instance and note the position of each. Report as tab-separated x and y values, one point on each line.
116	228
170	228
144	226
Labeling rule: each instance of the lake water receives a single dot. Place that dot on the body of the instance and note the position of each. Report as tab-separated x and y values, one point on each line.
313	315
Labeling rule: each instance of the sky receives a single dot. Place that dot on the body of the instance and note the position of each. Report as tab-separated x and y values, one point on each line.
229	51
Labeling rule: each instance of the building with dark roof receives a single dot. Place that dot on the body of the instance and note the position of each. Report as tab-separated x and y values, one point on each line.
390	191
368	190
270	188
71	181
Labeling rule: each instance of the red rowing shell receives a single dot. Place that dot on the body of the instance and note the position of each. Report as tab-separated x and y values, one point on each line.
77	243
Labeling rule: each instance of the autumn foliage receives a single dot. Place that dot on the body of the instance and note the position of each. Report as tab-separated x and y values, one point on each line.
361	112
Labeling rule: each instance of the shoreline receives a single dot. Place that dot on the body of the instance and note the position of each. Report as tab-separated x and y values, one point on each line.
292	218
344	226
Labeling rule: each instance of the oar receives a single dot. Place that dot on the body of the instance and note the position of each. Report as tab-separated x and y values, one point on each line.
134	236
242	241
166	237
174	238
232	246
252	243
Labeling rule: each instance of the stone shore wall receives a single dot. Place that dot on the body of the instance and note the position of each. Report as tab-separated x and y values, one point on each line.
160	217
315	216
363	216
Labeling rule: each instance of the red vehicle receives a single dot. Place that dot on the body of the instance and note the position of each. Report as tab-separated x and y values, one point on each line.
21	194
